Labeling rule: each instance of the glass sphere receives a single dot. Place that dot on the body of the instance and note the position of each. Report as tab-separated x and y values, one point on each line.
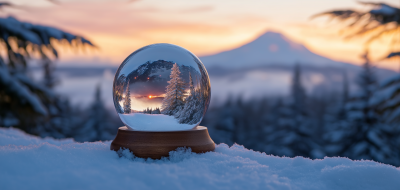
161	87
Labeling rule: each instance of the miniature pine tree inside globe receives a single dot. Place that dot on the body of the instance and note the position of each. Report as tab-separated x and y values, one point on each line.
161	87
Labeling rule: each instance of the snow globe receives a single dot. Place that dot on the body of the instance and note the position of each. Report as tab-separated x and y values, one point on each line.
161	93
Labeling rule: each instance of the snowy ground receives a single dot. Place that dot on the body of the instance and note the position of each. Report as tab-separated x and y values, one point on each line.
153	122
28	162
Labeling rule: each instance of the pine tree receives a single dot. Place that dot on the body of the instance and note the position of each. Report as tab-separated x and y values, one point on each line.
298	92
237	121
173	100
127	102
362	135
279	131
341	112
49	79
156	111
294	132
192	112
191	86
345	95
97	123
387	100
149	110
32	106
118	92
382	20
198	107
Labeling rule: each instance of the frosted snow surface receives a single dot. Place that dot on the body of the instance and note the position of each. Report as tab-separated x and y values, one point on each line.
154	122
28	162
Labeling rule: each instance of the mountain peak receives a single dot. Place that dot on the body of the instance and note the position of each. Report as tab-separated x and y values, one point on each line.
271	48
271	34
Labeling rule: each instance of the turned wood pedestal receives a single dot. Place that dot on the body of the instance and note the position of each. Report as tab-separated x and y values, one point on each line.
157	144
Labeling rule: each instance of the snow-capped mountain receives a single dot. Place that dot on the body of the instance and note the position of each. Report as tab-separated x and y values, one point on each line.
158	71
270	49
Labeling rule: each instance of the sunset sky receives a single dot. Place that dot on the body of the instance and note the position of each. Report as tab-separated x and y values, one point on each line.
204	27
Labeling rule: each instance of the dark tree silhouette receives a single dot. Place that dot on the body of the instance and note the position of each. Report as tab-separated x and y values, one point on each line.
31	105
127	102
381	20
97	123
361	134
118	92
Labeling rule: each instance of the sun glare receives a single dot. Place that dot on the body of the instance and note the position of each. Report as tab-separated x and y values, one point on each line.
150	96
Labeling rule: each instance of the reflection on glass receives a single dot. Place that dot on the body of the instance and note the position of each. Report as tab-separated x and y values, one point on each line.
161	87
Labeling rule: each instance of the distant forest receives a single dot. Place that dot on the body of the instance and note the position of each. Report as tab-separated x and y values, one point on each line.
364	125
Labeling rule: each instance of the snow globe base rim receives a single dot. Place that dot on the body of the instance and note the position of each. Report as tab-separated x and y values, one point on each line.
157	144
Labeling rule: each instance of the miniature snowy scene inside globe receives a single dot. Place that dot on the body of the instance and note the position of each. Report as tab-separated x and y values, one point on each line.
161	87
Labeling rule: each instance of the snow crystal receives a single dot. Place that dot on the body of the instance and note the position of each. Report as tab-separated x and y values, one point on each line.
28	162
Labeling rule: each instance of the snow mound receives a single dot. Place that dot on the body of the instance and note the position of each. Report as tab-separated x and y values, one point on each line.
28	162
153	122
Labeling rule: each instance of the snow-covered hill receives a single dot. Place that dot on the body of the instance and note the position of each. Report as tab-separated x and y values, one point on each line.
28	162
270	49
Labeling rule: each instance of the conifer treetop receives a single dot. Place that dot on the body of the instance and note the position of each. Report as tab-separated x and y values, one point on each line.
175	92
127	102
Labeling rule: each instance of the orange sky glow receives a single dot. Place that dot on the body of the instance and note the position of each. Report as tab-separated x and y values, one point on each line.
204	27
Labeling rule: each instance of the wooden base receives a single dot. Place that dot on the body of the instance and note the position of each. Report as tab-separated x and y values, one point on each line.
157	144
